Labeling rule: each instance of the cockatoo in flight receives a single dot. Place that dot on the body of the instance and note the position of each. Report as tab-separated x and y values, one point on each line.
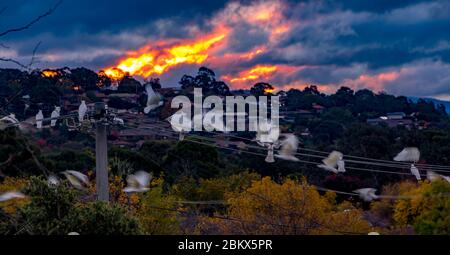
11	195
410	154
138	182
367	194
333	163
77	179
153	99
8	120
289	146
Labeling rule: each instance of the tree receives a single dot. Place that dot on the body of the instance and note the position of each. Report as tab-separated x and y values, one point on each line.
288	208
261	89
427	210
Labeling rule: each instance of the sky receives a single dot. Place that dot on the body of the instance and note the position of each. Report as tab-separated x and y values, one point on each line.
401	47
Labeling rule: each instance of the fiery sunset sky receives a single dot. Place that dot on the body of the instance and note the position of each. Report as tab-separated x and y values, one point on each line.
402	47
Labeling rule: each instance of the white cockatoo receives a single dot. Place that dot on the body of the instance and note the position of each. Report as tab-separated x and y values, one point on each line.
8	121
415	171
373	234
55	114
433	176
366	194
39	118
138	182
118	121
77	179
333	163
82	109
409	154
11	195
270	150
153	99
267	133
289	147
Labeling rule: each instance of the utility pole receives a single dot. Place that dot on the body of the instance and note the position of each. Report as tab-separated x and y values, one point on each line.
101	152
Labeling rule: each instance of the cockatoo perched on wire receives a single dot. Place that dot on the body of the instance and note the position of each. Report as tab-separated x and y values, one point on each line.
415	172
138	182
77	179
267	136
82	109
55	114
153	99
8	120
289	147
267	133
432	176
367	194
10	195
335	159
39	118
410	154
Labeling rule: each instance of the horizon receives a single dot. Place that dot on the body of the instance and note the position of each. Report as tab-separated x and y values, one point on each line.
399	48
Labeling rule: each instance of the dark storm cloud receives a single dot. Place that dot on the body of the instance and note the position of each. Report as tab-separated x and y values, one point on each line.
379	44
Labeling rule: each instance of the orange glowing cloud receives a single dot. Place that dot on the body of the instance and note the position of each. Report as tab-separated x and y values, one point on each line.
148	61
374	82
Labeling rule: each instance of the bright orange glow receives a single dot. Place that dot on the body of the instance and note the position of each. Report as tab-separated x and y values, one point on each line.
255	73
269	91
49	73
149	61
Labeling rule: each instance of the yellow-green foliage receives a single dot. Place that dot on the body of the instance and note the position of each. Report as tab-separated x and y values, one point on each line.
158	211
428	209
291	207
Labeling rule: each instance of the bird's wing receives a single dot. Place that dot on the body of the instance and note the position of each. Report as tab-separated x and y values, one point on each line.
410	154
432	176
79	176
328	168
143	178
447	178
10	195
333	158
132	181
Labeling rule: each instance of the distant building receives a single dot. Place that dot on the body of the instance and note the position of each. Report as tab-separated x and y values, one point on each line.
396	115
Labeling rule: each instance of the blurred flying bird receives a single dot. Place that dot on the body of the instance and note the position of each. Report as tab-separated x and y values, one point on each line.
138	182
10	195
153	99
8	120
432	176
82	109
367	194
77	179
39	118
409	154
289	147
335	159
55	114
